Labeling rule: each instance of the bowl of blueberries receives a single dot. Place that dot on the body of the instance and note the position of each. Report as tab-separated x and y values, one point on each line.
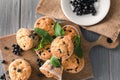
85	12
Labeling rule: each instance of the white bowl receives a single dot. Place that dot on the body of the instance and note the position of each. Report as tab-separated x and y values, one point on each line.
102	7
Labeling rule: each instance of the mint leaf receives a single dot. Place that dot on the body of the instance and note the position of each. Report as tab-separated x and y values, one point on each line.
58	30
42	44
46	38
55	62
77	47
43	33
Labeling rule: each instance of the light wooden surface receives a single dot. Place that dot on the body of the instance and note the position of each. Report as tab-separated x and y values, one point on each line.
21	13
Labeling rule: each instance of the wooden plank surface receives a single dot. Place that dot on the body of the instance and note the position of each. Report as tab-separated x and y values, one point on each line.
115	63
9	19
28	15
99	58
105	62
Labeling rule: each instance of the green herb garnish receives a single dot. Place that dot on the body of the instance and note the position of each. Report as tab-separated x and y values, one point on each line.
55	62
58	30
77	47
46	38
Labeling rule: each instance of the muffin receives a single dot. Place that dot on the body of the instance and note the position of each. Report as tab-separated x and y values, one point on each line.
70	30
44	53
26	39
73	64
50	71
46	23
19	70
62	47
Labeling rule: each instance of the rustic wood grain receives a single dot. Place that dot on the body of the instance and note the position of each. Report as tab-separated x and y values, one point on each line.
115	63
9	20
9	16
99	57
28	14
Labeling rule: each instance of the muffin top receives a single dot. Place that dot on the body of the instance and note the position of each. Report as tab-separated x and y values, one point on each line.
46	23
19	70
62	47
70	30
73	64
26	39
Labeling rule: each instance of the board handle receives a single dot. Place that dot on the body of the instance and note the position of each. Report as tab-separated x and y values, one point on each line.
102	41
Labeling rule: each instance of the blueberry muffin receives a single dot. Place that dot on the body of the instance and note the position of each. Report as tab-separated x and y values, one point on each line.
46	23
19	70
50	71
62	47
70	30
26	39
44	53
73	64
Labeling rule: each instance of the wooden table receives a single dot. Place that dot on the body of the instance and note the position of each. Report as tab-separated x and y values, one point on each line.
21	13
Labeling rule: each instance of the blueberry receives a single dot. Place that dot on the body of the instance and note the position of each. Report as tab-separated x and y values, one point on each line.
20	50
18	53
71	2
7	72
16	49
41	75
13	45
86	12
95	0
82	7
2	77
77	9
94	12
74	3
85	7
78	5
19	70
109	40
79	13
74	10
38	60
83	11
6	48
3	61
15	53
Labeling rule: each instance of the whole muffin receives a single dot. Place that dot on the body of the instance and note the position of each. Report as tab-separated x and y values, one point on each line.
44	53
62	47
46	23
26	39
70	30
73	64
50	71
19	70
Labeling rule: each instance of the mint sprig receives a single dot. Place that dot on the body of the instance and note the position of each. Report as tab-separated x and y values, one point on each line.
77	47
58	30
55	62
46	38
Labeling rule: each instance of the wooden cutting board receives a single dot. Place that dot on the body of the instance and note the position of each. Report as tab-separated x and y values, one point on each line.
31	56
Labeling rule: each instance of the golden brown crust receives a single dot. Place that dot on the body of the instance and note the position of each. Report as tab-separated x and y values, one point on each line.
44	53
73	64
70	30
46	23
24	39
62	47
19	70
